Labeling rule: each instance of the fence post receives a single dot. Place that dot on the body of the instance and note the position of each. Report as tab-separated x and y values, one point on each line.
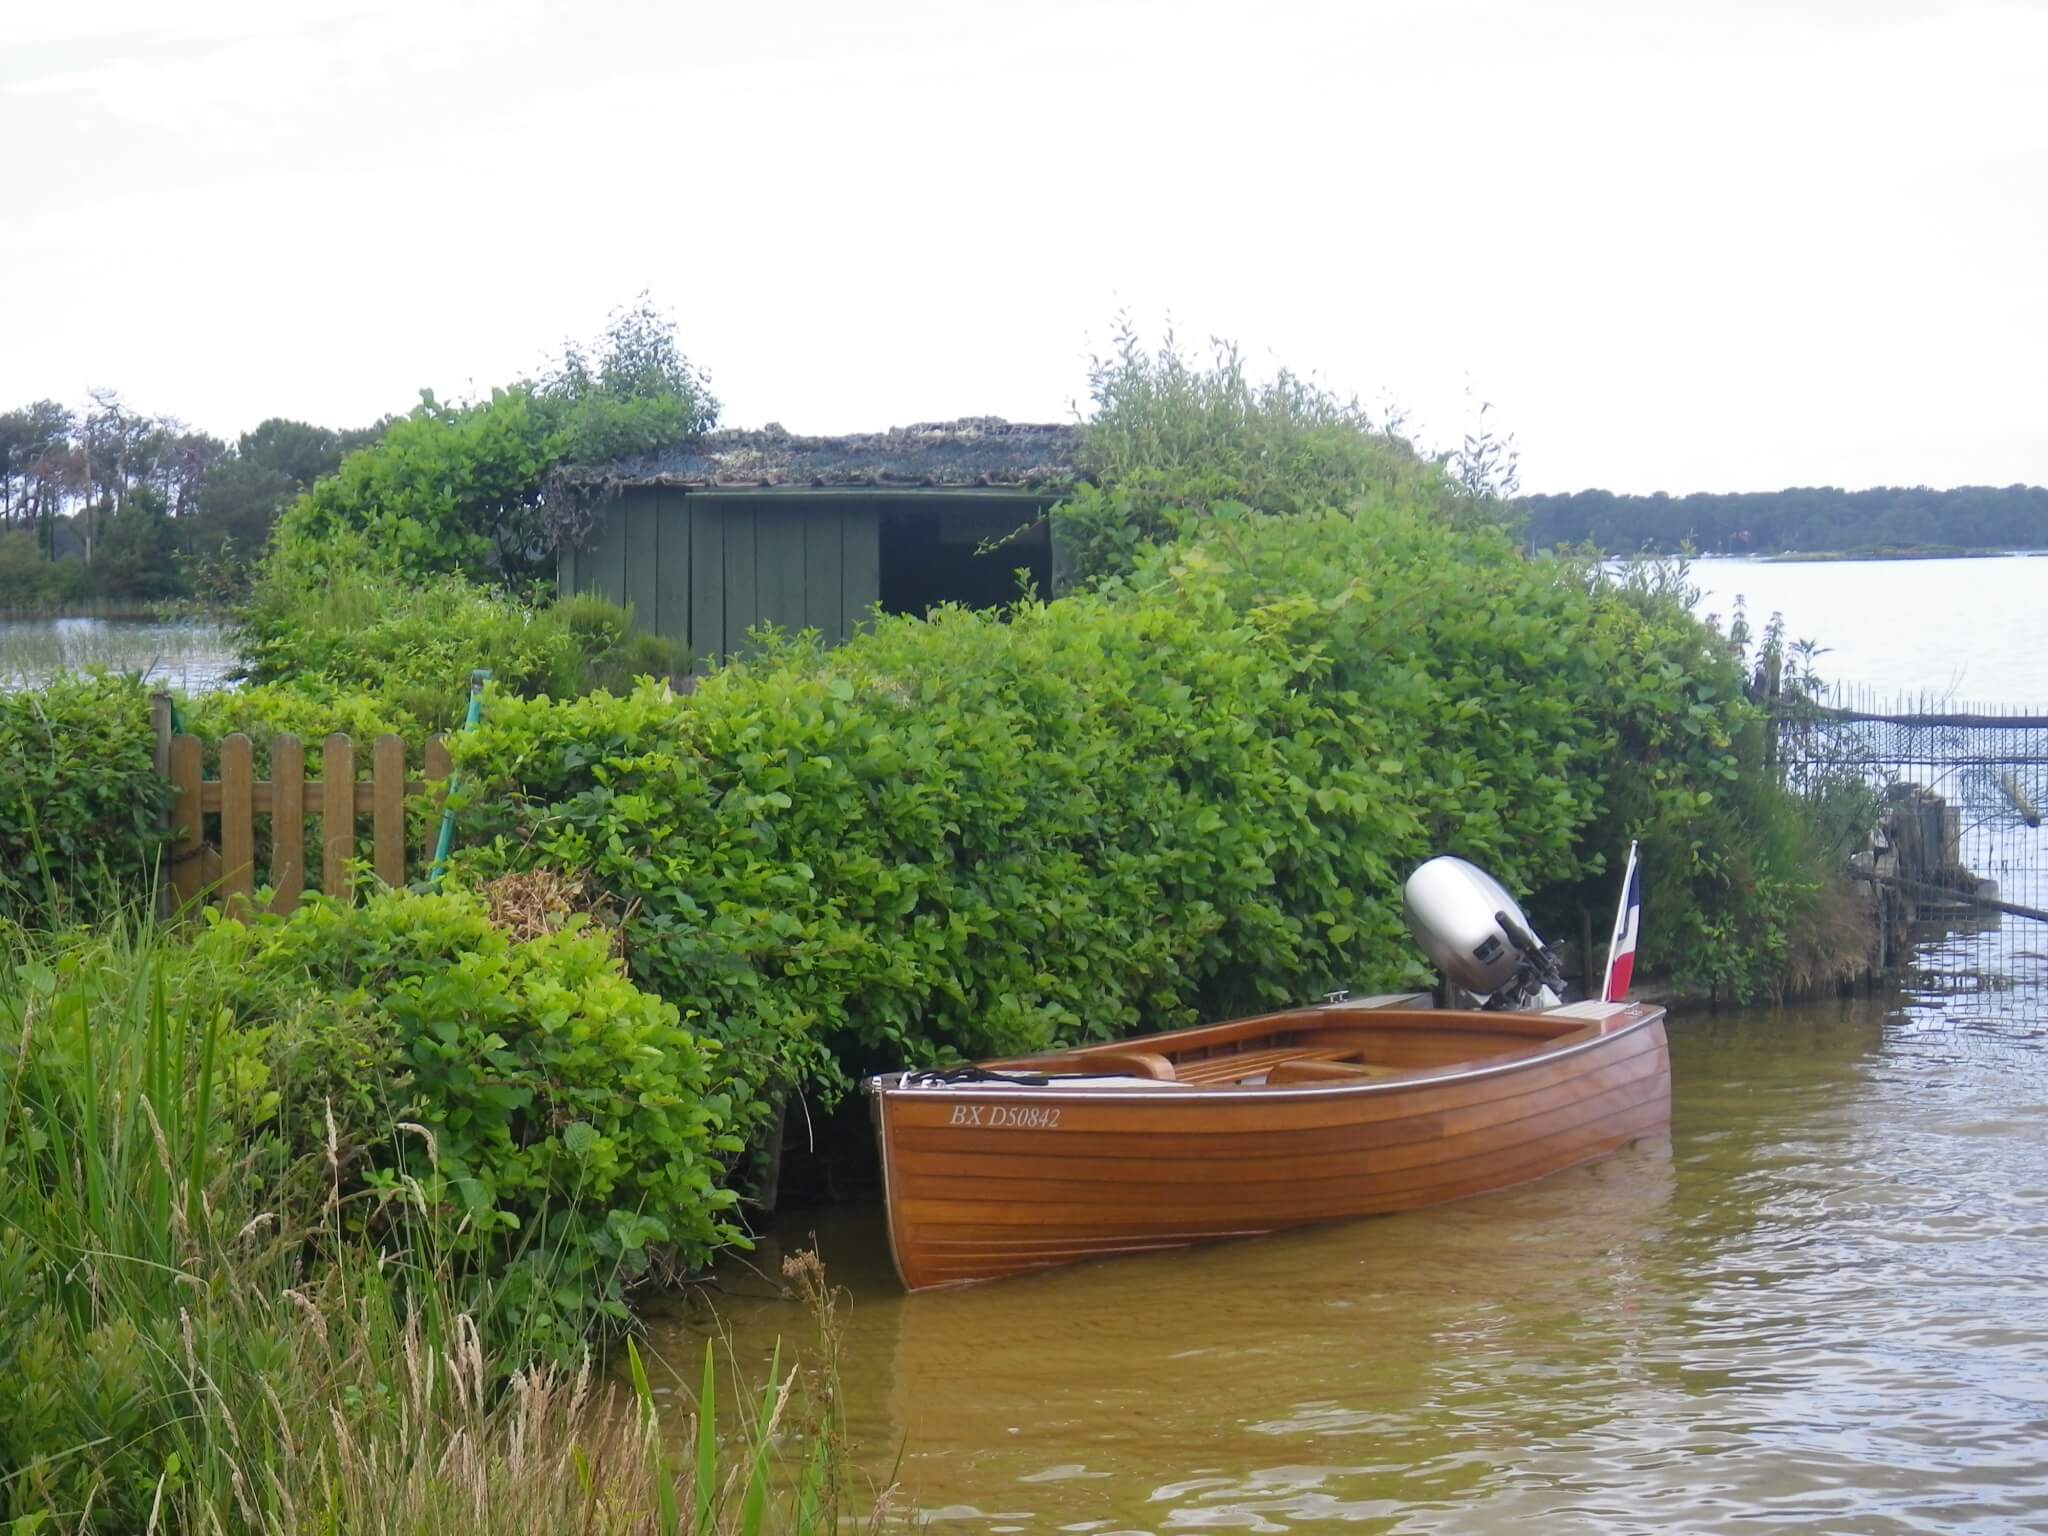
188	848
237	823
160	726
387	809
287	822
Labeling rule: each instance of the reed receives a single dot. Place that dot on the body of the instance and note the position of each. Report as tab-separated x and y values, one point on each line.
174	1357
189	654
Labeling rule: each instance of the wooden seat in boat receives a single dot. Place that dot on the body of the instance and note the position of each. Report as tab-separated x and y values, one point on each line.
1108	1063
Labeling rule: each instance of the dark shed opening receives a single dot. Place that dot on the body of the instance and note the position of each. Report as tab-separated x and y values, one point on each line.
966	553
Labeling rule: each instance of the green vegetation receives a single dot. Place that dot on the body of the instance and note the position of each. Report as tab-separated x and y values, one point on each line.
110	503
1171	441
1824	519
336	620
290	1208
80	806
572	1128
459	488
197	1330
1191	793
113	505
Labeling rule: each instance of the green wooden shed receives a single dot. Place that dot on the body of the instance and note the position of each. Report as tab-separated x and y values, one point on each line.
735	529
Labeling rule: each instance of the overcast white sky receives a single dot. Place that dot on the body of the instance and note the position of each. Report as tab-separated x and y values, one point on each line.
1712	245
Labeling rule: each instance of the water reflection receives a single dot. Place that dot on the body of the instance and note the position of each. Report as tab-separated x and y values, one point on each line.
187	655
1816	1306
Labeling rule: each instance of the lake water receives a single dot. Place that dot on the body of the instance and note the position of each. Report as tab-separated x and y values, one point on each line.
185	655
1819	1306
1968	630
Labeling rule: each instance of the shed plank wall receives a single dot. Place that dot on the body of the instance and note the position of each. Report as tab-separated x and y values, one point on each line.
672	618
643	539
779	564
707	582
610	573
860	566
824	555
742	571
705	568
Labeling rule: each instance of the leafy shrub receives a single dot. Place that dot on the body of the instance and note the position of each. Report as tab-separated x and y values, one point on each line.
188	1345
80	798
1560	712
457	489
352	623
265	711
969	835
573	1128
1171	441
1192	793
29	583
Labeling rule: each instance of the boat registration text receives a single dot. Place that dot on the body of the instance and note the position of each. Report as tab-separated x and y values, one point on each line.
1028	1117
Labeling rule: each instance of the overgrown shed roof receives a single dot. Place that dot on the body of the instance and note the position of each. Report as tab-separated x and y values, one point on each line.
973	451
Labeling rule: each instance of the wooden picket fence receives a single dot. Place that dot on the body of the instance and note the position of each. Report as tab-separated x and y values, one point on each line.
224	869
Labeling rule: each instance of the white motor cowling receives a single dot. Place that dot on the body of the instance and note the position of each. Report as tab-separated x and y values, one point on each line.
1477	935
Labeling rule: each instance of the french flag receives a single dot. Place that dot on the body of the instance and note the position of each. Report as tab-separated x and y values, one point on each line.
1621	952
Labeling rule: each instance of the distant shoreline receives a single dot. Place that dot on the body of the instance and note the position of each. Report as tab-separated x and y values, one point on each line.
169	611
1922	552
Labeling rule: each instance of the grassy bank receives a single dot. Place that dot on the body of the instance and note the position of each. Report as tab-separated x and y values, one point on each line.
199	1332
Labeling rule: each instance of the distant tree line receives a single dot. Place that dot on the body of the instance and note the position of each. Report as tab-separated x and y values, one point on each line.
1811	519
109	502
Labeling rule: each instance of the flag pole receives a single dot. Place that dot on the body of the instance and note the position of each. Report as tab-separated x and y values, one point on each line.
1628	872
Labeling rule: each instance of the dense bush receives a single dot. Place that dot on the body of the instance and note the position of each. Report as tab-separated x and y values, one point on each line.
349	622
563	1128
1192	793
265	711
1170	441
191	1342
80	798
29	583
458	489
1558	712
964	834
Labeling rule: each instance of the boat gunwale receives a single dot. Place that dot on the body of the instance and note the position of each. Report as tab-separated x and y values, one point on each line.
1594	1033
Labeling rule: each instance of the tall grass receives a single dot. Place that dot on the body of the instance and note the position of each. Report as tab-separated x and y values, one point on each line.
175	1357
193	655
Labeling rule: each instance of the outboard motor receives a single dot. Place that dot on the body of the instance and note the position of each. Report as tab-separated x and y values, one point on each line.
1478	937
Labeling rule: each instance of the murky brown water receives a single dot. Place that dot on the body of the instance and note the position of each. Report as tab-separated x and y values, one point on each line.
1820	1306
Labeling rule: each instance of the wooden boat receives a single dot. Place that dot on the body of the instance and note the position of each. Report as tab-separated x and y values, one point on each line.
1348	1108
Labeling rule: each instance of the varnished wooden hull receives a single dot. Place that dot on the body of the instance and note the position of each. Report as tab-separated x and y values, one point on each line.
992	1179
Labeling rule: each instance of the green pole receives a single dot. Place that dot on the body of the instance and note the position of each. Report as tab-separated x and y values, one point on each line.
477	679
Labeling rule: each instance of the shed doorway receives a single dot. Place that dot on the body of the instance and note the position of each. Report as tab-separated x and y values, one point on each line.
967	551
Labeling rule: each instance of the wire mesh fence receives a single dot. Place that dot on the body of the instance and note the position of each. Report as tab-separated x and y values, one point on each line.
1960	852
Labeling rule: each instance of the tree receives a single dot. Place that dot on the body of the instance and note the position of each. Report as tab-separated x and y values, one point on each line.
35	442
244	490
463	488
1805	518
138	552
1175	441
